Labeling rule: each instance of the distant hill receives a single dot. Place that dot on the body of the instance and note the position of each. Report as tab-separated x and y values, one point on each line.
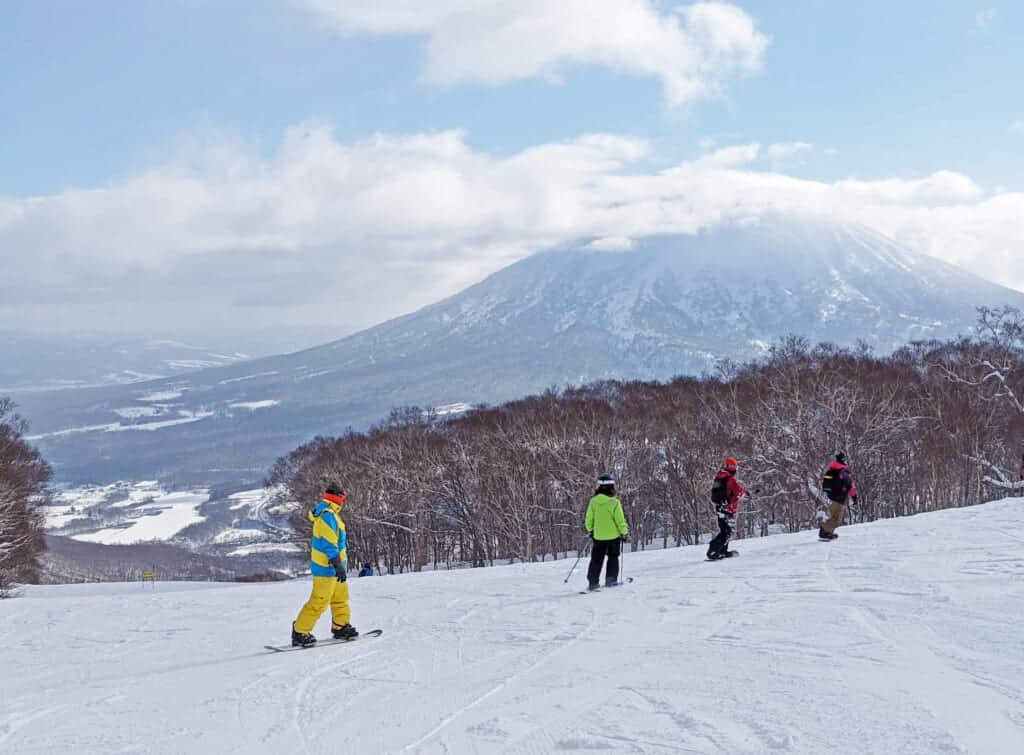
33	362
671	305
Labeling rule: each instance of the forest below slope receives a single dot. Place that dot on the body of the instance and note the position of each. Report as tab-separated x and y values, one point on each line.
932	426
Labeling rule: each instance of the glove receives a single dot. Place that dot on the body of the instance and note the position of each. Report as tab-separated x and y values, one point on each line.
625	538
853	500
339	569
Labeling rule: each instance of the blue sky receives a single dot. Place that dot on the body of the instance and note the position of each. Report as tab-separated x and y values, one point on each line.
96	90
187	119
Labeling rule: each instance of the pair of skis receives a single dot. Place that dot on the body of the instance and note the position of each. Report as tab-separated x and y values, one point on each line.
626	581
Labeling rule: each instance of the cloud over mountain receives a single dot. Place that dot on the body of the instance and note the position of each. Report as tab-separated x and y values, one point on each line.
692	49
392	222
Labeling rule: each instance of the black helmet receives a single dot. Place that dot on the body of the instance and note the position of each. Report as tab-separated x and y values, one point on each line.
334	489
841	457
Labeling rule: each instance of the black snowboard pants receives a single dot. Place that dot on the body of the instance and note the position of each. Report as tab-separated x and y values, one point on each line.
720	544
602	548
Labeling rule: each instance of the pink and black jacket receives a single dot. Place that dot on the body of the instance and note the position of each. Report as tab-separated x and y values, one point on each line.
842	486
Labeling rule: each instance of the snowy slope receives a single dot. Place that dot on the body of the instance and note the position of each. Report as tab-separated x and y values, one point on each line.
902	637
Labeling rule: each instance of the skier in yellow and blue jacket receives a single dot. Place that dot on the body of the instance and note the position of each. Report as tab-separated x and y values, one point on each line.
328	561
606	524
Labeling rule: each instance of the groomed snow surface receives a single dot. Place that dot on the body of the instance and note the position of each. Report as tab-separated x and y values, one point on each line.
903	636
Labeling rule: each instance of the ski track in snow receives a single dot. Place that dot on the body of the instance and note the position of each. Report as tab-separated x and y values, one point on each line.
901	637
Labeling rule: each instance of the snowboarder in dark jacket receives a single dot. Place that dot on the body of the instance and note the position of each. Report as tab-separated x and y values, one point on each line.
725	494
606	524
837	483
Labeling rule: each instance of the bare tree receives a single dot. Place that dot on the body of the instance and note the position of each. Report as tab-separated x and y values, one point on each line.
23	491
992	368
929	427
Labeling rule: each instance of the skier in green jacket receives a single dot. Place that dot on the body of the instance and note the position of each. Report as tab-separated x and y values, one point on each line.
606	524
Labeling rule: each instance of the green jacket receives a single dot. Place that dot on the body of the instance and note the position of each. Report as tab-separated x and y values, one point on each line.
605	520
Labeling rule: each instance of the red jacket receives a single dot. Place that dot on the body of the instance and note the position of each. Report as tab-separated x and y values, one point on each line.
733	491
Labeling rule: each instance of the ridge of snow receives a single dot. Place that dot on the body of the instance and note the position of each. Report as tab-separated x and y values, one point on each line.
254	405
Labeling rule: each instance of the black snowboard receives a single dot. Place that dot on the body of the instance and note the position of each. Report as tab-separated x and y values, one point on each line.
732	554
324	643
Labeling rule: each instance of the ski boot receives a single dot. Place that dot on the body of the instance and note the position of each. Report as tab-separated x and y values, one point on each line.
347	632
611	583
826	535
594	587
302	639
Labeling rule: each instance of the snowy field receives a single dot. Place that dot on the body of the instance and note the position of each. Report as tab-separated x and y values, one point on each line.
903	636
148	512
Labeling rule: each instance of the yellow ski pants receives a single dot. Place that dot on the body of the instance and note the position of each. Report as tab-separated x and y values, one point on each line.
326	591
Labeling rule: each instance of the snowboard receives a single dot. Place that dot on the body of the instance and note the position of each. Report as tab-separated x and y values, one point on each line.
732	554
324	643
626	581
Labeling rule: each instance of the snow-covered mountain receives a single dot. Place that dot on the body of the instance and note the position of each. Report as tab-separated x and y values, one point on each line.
667	306
901	637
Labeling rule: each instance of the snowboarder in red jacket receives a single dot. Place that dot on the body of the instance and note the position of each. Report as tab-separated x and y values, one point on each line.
837	484
725	494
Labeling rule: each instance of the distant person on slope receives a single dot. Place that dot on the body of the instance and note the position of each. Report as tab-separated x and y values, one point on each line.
606	525
366	571
328	560
726	492
838	485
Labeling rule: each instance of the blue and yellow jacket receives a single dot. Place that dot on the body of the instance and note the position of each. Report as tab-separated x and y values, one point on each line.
329	539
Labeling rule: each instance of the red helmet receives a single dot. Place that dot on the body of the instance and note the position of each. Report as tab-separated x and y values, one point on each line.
731	464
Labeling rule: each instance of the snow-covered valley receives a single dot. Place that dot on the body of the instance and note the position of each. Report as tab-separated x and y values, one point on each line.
901	637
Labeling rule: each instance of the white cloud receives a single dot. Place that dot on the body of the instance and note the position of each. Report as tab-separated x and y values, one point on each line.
692	50
783	154
984	18
730	157
941	187
779	155
355	233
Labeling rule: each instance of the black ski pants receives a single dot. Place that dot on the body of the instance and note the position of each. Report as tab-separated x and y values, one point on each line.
602	548
720	544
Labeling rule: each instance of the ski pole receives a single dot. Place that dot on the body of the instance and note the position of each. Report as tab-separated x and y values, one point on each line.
579	555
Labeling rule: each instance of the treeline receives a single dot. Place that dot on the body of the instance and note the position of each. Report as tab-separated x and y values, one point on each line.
932	426
68	561
23	490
